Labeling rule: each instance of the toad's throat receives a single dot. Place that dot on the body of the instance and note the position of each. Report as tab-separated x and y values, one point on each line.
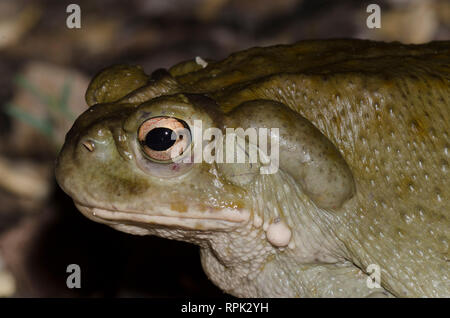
216	219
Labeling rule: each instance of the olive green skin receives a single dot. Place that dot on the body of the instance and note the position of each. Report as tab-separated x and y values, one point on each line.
375	119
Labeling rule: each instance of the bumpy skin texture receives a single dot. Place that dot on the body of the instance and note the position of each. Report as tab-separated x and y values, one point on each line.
363	177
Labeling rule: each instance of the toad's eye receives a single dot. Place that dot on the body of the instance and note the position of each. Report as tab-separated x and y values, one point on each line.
164	138
159	139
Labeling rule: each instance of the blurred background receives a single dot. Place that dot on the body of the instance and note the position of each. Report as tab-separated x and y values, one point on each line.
45	68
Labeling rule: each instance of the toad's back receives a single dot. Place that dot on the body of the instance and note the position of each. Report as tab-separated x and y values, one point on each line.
386	108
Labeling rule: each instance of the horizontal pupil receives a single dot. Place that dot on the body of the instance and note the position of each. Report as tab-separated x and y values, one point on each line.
159	139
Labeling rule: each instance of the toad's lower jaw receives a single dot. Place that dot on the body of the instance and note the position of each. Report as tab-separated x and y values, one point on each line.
225	218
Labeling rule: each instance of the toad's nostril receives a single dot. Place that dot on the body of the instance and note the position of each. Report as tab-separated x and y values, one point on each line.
89	145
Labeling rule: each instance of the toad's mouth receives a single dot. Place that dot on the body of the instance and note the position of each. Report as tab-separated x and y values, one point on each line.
206	220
